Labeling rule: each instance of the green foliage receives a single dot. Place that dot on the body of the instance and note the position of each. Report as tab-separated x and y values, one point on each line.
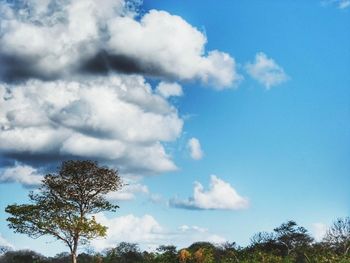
167	254
22	256
124	253
225	253
292	237
62	205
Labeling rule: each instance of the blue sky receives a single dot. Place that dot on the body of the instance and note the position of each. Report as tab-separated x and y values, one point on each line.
268	114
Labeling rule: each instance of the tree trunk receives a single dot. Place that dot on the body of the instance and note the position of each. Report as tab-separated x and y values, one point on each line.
74	257
74	250
347	248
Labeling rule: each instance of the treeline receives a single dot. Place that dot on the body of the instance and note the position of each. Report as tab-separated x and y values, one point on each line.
286	244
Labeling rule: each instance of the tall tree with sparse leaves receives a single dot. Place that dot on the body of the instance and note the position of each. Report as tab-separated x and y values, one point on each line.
338	235
64	205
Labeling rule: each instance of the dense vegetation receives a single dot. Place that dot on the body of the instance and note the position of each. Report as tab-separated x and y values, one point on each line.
287	243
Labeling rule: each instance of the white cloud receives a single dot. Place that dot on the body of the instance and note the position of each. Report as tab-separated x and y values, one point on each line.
149	233
5	243
64	37
171	46
54	37
319	230
195	233
58	89
221	195
341	4
128	192
167	89
23	174
266	71
195	148
118	120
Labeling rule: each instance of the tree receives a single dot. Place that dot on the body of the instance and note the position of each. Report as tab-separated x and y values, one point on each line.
338	235
264	241
168	254
4	249
63	205
184	256
20	256
292	236
124	253
227	252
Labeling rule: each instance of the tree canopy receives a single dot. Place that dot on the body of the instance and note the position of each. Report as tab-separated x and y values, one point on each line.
64	205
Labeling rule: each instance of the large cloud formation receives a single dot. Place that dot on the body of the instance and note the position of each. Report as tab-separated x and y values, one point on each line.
72	84
118	119
51	39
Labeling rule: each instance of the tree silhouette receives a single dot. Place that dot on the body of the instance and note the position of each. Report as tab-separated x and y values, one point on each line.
338	235
64	205
292	236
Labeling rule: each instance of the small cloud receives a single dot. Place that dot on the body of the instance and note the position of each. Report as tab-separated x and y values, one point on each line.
319	230
128	192
23	174
266	71
195	149
166	89
157	199
341	4
220	196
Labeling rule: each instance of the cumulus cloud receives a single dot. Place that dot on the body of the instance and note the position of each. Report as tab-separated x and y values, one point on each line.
319	230
167	89
195	149
170	47
128	192
23	174
65	94
62	38
148	232
119	120
220	195
266	71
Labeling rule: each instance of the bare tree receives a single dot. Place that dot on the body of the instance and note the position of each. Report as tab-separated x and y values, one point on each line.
338	235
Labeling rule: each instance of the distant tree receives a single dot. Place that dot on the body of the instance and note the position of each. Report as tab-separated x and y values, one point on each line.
22	256
4	249
291	236
338	235
124	253
63	257
63	203
197	245
184	256
168	254
204	255
264	241
148	257
227	253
